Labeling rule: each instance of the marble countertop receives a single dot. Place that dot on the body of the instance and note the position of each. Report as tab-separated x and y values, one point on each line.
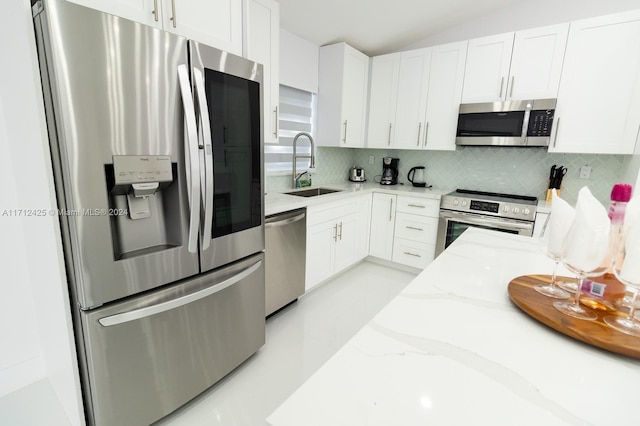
279	201
452	349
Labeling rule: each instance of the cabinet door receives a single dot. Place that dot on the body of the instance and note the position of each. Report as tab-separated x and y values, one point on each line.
487	69
321	243
364	220
383	96
445	91
346	243
383	214
217	23
354	97
263	46
146	12
598	107
412	98
536	62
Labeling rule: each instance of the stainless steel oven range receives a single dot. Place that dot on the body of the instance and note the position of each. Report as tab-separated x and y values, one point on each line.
461	209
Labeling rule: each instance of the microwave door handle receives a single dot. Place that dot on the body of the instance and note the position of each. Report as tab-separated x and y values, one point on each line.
147	311
525	122
206	157
191	157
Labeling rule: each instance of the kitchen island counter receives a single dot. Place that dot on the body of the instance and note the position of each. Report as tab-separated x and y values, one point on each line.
452	349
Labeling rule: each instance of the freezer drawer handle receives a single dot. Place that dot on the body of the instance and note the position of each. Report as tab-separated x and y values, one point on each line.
176	303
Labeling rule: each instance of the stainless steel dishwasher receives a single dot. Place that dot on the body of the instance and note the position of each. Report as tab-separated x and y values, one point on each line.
285	258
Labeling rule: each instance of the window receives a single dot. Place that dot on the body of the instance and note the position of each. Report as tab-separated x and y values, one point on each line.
296	114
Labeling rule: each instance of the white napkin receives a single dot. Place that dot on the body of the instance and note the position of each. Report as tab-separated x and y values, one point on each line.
587	243
562	215
631	267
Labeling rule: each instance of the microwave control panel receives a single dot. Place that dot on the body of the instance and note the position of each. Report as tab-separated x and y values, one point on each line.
540	122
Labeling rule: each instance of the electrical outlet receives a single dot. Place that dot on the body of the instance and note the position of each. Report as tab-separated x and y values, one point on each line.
371	159
585	172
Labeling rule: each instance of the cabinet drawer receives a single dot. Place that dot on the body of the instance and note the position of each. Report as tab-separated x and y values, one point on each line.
419	206
412	253
422	229
331	211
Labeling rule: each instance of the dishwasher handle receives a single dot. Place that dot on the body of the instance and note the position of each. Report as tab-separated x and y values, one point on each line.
282	220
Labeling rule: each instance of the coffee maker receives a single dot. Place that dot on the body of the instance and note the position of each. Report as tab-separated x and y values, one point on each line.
389	171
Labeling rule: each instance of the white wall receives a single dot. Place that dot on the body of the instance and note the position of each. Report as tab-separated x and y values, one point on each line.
35	330
524	15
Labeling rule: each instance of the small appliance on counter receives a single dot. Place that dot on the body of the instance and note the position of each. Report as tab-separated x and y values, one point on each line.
356	174
389	171
416	176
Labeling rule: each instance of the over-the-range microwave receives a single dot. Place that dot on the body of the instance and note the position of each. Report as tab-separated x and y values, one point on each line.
511	123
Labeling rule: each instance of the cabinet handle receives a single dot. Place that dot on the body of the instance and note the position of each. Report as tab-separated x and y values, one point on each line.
345	132
513	78
275	129
555	135
335	232
501	86
173	12
340	231
391	210
419	129
420	206
155	10
389	141
426	133
411	254
414	228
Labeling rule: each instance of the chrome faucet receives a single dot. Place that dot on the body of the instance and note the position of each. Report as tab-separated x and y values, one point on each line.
312	158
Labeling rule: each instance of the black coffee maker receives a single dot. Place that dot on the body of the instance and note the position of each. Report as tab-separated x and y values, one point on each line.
389	171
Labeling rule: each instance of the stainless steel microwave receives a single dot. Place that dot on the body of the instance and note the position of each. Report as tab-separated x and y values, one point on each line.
512	123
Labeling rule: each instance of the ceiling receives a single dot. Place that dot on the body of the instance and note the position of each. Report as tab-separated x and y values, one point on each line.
379	26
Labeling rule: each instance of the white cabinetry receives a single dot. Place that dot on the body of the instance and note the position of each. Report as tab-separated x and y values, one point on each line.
522	65
343	80
598	108
336	238
262	29
383	214
217	23
445	91
415	231
383	96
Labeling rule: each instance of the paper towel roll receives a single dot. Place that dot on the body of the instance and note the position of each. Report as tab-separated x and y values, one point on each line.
587	243
562	215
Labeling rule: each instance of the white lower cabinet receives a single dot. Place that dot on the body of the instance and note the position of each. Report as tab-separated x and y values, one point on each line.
383	215
337	236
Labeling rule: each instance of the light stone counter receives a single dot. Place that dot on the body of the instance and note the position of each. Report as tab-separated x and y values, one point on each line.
278	201
452	349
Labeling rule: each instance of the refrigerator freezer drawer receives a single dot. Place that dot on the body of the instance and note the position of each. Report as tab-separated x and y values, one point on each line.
147	356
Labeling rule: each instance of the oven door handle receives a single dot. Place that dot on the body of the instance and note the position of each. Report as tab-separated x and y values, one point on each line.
487	221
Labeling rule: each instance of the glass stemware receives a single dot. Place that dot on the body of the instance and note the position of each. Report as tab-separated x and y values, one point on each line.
630	277
552	289
573	308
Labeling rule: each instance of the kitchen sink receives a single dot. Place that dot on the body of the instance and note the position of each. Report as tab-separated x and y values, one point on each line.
312	192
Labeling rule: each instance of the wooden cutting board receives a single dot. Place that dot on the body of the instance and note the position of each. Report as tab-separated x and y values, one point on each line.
595	333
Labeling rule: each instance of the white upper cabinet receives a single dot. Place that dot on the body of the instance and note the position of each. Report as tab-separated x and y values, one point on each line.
598	108
343	80
262	40
536	62
487	68
445	91
217	23
412	98
383	96
522	65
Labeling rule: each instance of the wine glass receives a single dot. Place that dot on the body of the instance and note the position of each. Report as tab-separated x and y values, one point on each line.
573	309
551	250
628	272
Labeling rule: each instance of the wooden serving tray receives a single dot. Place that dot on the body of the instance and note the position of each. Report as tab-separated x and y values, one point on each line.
595	333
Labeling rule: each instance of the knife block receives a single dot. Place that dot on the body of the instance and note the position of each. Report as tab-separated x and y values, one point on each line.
550	192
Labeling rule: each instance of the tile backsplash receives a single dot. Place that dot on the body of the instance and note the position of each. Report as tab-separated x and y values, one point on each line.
523	171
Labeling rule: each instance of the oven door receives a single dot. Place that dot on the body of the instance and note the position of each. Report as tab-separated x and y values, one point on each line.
452	224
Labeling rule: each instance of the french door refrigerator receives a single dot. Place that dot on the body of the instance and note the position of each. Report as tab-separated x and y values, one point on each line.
156	145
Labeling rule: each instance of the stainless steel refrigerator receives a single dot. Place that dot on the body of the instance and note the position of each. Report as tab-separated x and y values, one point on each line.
156	143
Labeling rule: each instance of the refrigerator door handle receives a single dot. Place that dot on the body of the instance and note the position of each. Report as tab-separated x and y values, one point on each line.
181	301
191	157
206	160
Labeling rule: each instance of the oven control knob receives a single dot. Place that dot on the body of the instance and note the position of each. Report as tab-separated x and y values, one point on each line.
505	209
464	203
516	210
456	202
526	211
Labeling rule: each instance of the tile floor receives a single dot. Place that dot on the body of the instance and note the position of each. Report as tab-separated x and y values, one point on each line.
299	340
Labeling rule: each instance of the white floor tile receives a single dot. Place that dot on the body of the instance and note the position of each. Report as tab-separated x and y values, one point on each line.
32	405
